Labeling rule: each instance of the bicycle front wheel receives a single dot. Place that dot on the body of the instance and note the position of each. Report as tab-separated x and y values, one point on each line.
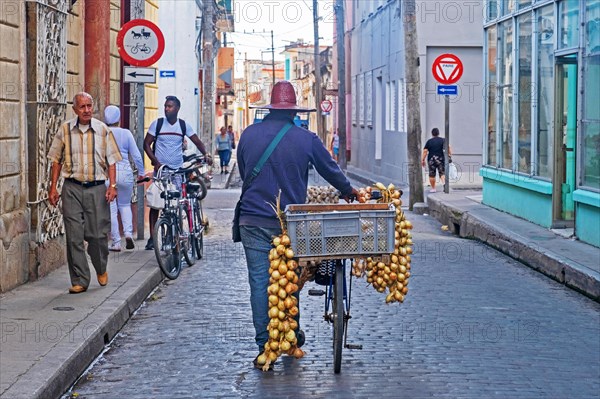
198	236
185	237
338	316
166	249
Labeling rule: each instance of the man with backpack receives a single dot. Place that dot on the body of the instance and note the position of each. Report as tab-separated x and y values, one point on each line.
164	146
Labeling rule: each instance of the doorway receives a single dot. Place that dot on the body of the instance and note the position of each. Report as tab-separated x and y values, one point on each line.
565	135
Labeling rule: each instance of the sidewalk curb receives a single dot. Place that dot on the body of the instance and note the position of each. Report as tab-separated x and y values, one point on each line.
521	248
68	360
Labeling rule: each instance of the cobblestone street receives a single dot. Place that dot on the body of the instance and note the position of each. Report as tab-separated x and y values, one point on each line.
476	324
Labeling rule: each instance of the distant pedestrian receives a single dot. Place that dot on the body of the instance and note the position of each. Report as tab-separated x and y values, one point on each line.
164	143
434	152
231	134
84	152
335	145
224	147
122	205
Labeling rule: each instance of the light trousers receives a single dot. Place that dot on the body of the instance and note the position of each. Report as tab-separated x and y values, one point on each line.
122	204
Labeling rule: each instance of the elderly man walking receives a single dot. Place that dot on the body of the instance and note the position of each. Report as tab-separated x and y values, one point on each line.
84	152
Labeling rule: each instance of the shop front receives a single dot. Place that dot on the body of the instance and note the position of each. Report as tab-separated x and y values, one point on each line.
542	113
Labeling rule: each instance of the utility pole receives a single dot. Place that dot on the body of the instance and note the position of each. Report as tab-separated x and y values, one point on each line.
273	56
225	96
207	75
318	84
341	53
413	112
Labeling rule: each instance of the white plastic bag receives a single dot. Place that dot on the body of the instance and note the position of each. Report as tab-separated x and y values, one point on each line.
452	171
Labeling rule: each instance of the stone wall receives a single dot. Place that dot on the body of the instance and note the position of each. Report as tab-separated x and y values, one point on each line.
14	215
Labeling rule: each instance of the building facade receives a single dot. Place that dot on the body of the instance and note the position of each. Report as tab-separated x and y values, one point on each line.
542	113
377	106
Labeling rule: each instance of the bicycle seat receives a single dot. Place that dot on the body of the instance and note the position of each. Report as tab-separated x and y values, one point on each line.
170	194
193	187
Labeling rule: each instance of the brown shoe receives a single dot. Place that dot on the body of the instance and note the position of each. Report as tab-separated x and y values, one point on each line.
77	289
103	279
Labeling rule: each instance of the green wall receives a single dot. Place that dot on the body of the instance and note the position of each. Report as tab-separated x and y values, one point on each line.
518	195
587	216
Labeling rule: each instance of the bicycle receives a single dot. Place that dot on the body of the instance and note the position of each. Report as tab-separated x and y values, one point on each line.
171	234
334	249
193	191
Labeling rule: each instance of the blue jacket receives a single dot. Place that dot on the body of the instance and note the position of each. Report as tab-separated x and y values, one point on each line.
285	170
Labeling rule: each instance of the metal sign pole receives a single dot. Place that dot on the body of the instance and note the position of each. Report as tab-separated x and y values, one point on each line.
446	141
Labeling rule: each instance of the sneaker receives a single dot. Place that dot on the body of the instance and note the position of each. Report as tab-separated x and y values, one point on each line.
115	247
432	190
260	366
226	172
301	338
129	243
150	244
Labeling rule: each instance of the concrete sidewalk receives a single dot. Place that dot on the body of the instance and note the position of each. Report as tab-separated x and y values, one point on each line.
566	260
49	337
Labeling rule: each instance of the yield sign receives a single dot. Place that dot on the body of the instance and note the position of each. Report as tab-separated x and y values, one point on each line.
326	105
447	69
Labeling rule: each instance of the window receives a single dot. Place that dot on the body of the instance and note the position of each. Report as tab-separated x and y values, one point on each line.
355	99
492	87
592	31
525	93
401	106
369	98
568	11
491	11
591	111
524	3
361	99
506	92
508	6
545	90
390	105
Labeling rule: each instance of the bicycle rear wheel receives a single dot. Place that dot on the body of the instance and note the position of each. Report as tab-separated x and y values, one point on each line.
165	248
338	316
198	236
185	237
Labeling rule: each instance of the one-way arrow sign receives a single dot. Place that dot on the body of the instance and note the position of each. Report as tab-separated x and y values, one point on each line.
447	89
139	75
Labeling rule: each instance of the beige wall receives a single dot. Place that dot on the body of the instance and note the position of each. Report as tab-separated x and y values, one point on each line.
75	55
14	214
115	59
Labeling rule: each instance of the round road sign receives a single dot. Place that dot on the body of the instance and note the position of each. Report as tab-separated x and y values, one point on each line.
140	43
326	105
447	69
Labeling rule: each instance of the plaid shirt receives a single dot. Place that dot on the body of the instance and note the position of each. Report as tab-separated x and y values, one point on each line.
85	156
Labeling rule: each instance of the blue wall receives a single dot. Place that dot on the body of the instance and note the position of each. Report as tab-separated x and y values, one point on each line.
587	216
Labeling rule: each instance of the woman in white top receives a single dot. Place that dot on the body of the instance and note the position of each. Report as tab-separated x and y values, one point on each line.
122	204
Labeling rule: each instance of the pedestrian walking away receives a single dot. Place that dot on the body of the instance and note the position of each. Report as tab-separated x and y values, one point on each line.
164	143
434	152
125	180
84	152
224	148
285	173
335	145
231	134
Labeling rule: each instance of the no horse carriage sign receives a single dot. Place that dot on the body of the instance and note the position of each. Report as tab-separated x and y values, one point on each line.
140	42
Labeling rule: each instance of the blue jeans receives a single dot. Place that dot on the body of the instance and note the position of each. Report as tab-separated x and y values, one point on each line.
257	244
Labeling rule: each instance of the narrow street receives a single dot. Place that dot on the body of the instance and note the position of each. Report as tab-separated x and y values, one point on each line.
475	324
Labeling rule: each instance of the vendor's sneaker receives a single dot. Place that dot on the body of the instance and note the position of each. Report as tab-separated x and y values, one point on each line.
260	366
301	338
115	247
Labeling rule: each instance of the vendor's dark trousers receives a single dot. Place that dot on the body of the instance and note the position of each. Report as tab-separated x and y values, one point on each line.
86	216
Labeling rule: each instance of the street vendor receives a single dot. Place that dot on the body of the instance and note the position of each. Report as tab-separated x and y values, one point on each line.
285	172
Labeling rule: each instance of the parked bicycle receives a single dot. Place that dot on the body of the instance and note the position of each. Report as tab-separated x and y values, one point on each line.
171	233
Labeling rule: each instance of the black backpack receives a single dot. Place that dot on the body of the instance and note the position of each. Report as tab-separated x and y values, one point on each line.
159	124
